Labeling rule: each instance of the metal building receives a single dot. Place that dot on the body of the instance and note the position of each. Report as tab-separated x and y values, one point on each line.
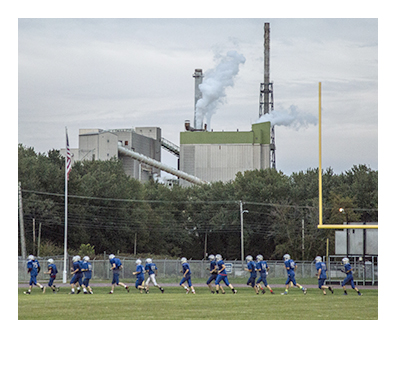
219	156
98	144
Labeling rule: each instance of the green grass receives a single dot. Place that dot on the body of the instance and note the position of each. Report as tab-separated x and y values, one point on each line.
175	304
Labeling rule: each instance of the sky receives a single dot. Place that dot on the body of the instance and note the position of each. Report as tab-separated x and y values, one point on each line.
124	73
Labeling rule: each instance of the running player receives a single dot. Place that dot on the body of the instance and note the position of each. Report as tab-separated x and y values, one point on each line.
33	268
222	275
186	276
151	270
52	271
213	274
86	267
290	266
76	280
251	267
349	278
116	266
263	269
139	273
322	275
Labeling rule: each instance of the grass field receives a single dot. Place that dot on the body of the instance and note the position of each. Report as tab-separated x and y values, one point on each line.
176	305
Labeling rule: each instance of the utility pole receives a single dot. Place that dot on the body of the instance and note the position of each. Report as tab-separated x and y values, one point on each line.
21	223
34	235
302	232
242	243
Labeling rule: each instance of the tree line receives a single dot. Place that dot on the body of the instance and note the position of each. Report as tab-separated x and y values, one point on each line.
115	213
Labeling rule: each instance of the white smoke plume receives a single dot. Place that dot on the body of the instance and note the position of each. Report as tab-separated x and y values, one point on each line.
292	117
214	85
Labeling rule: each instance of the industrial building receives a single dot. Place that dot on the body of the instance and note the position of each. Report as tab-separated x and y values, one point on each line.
98	144
219	156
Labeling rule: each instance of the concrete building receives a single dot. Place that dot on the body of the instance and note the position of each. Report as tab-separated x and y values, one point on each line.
98	144
219	156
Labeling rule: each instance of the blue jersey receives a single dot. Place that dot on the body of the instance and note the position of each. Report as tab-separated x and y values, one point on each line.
53	269
117	263
77	266
150	268
87	267
33	266
220	266
291	265
140	271
321	265
346	268
186	267
262	267
252	268
213	266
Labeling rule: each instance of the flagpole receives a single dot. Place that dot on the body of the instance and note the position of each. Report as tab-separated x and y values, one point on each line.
65	241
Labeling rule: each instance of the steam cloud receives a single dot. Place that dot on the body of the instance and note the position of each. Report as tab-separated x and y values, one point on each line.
292	117
214	85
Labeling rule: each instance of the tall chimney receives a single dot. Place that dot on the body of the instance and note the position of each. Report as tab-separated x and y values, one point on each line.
266	67
198	76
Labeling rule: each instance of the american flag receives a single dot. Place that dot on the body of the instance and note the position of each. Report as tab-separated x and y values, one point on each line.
68	157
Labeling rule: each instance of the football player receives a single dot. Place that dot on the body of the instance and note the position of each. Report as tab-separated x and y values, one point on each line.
151	270
186	276
33	268
213	274
263	268
349	278
222	274
52	271
76	280
322	275
86	267
251	268
140	277
115	267
290	266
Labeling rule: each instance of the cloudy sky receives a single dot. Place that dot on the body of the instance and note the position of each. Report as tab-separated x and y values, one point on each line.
123	73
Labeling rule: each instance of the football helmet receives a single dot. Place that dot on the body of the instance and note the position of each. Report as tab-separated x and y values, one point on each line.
286	257
149	261
76	258
138	262
249	258
260	257
218	257
111	256
50	261
345	260
86	258
183	260
318	259
211	257
30	257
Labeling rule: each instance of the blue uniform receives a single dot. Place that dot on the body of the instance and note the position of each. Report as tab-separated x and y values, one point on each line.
213	276
116	270
150	268
291	276
222	276
323	274
77	277
33	268
87	267
186	276
349	277
262	267
53	272
139	276
252	268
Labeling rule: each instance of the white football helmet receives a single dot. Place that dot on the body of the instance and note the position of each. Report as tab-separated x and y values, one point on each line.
249	258
318	259
260	257
218	257
183	260
211	257
149	261
30	257
50	261
286	257
111	256
76	258
86	258
138	262
345	260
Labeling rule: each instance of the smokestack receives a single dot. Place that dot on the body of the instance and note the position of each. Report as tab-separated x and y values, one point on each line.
266	66
198	76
